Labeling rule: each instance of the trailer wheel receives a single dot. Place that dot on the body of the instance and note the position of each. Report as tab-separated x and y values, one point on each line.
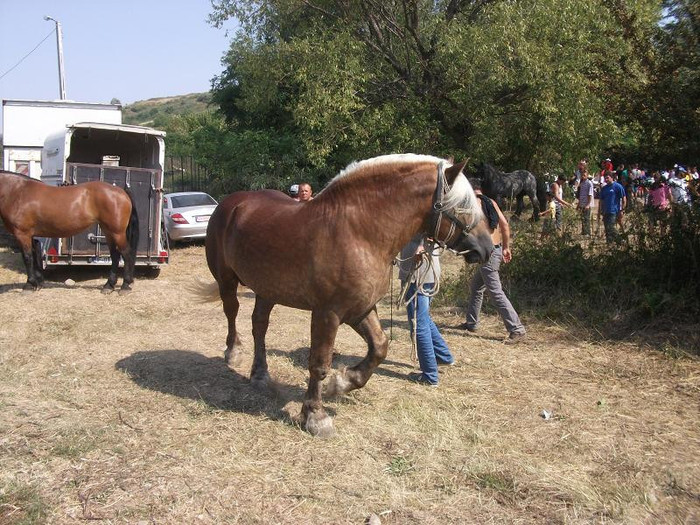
151	272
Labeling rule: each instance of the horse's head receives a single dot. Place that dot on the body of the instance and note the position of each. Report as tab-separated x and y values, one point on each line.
476	245
460	222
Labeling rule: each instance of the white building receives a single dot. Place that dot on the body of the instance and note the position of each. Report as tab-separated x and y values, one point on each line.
27	123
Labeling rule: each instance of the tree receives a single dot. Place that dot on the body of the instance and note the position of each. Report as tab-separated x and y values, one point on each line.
533	83
669	111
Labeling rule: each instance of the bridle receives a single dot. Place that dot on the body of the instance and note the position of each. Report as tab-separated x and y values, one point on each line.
439	212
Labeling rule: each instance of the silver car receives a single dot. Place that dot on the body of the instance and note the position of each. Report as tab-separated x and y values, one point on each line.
187	214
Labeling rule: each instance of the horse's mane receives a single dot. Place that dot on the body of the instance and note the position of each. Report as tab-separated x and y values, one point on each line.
460	195
403	158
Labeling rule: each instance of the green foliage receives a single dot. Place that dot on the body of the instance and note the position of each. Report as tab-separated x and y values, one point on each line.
530	84
668	108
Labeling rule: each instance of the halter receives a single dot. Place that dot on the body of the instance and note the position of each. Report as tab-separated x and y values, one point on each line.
439	212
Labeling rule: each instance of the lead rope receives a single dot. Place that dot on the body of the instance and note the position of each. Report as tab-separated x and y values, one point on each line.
391	305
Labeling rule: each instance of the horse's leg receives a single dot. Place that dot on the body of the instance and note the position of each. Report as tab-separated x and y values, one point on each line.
228	290
520	204
37	263
500	200
324	327
115	255
26	244
129	257
357	376
128	243
535	204
261	320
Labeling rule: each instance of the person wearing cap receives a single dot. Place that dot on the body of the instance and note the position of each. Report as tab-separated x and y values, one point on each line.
606	165
612	205
557	189
294	192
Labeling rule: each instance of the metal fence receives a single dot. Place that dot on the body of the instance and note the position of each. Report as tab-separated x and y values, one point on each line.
184	174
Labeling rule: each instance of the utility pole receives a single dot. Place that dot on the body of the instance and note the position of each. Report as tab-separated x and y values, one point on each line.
59	45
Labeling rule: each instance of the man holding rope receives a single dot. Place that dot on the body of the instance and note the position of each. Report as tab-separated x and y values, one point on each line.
418	272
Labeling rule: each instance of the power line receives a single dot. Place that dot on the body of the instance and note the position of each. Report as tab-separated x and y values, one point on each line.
25	56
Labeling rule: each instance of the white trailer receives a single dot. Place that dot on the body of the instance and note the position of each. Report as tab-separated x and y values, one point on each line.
27	123
126	156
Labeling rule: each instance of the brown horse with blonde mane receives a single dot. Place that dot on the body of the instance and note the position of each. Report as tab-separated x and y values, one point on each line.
332	255
30	208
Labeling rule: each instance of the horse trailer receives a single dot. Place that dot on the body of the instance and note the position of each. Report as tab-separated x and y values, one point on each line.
131	157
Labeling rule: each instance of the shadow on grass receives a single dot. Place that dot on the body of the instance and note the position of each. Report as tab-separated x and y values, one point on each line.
300	358
190	375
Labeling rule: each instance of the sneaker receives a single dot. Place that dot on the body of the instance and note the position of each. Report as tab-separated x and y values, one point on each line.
514	338
465	326
418	377
446	363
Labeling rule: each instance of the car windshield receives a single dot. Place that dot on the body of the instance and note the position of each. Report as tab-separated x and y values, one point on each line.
196	199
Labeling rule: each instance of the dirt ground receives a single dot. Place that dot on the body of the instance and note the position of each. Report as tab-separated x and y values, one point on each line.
120	409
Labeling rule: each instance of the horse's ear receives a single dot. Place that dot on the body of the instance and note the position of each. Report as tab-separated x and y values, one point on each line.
454	170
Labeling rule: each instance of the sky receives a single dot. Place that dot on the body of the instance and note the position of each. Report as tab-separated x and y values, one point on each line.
130	50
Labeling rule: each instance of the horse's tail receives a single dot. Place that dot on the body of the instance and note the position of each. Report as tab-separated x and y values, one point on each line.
132	228
205	291
541	192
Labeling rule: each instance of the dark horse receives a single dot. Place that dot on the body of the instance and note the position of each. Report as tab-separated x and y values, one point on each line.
30	208
499	185
332	255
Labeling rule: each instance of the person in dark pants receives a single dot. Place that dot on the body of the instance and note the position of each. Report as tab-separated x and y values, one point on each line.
611	206
585	202
487	278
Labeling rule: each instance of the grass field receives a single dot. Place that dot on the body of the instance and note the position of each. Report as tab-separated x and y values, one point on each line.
121	410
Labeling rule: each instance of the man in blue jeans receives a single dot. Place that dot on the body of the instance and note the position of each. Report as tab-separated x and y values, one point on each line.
611	206
418	272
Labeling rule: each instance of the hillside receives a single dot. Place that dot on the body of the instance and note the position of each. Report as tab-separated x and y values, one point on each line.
156	112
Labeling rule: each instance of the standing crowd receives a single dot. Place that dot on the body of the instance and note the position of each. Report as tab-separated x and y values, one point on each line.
619	190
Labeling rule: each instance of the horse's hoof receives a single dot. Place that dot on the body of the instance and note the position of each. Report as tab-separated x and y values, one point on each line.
260	380
107	290
233	357
320	426
338	385
125	291
28	288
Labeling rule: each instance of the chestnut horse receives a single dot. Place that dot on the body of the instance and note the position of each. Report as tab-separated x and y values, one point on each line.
30	208
332	255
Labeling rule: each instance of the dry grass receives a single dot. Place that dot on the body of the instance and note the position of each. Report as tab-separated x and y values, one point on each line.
120	409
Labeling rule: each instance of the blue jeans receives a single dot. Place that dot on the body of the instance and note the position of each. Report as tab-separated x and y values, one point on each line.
430	346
